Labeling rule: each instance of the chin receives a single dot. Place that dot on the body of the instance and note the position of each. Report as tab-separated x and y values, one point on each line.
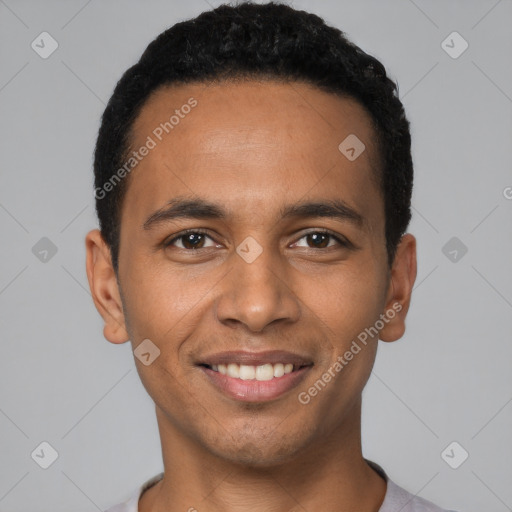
260	449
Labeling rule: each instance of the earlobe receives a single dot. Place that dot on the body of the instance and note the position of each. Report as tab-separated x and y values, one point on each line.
104	287
403	276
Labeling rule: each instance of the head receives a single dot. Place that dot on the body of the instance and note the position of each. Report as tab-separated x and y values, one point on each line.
264	42
243	113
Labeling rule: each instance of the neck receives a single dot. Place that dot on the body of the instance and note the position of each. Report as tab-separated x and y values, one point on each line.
330	475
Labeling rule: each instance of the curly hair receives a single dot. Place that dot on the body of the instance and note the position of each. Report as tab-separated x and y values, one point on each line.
251	41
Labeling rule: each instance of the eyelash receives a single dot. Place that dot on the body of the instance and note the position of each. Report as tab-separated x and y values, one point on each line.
341	241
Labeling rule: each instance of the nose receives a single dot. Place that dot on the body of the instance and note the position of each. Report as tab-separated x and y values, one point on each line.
257	294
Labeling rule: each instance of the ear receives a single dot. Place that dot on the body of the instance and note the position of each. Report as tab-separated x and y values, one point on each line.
104	287
401	282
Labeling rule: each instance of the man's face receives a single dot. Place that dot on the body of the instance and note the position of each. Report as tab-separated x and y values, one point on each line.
253	280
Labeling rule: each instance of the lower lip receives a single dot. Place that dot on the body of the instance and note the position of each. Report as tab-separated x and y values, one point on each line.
255	390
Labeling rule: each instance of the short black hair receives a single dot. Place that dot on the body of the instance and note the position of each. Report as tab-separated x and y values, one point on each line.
254	41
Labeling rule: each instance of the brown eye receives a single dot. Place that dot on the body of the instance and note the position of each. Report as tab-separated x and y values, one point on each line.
321	239
190	240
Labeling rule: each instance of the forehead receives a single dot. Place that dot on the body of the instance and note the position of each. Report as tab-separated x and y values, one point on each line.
257	107
251	144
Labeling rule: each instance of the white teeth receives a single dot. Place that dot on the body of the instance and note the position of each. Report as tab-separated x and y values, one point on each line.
247	372
233	370
265	372
278	370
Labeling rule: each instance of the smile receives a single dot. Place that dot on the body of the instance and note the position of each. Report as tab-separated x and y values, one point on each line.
262	372
255	383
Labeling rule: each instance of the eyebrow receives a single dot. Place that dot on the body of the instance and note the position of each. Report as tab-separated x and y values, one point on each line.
201	209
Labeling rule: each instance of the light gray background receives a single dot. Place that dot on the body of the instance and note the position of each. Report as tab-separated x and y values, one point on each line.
449	378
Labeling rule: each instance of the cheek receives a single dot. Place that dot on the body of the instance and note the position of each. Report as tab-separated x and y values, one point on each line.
165	307
348	304
164	304
348	300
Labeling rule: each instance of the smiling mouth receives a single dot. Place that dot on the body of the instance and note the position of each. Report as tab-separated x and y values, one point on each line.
262	372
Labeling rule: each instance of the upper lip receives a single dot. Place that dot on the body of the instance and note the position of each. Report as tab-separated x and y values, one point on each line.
256	358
